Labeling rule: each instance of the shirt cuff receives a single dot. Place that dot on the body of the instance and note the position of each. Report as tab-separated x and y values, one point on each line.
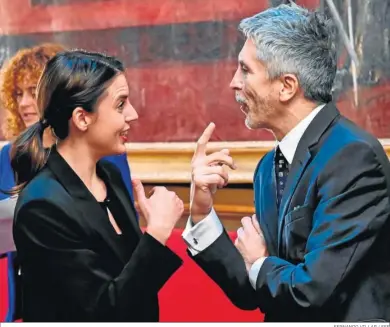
254	271
201	235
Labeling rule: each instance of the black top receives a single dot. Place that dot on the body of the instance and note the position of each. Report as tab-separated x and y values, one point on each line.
128	239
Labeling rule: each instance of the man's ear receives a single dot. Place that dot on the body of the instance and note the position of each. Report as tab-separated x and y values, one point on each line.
81	118
290	87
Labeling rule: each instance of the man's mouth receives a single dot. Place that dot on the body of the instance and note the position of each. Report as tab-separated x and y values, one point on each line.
243	106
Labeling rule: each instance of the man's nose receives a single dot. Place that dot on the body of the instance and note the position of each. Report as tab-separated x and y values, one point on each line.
236	83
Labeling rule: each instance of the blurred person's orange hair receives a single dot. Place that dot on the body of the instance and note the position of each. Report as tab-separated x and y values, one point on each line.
26	64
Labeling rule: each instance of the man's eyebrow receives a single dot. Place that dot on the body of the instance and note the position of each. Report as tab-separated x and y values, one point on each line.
243	63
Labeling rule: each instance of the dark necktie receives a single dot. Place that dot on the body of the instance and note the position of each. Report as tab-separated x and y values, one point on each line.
281	171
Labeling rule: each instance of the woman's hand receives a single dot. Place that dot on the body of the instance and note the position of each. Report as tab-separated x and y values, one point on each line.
161	210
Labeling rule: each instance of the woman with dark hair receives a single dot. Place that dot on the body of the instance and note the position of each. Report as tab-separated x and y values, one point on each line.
83	256
19	78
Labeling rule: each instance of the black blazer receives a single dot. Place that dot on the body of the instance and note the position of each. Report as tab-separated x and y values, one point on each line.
329	242
73	267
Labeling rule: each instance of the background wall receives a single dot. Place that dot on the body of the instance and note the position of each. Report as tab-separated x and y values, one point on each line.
180	57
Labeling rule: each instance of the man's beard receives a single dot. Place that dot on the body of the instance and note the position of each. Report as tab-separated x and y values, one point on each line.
242	101
259	106
247	123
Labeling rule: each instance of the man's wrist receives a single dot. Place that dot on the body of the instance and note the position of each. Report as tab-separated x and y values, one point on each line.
198	214
197	218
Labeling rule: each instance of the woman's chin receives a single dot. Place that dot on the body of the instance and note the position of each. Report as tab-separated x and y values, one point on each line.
29	122
114	151
121	148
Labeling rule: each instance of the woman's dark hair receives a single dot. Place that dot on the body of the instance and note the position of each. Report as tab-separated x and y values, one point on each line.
70	79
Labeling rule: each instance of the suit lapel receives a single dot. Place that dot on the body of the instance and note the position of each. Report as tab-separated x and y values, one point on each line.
265	202
91	211
303	157
297	168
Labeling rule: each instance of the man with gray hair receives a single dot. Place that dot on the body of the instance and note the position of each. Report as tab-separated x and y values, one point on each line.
317	248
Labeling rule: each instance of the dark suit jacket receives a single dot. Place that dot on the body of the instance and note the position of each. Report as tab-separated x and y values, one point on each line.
329	243
73	268
7	182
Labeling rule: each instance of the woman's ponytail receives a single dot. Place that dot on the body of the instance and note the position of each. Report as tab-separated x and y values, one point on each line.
28	154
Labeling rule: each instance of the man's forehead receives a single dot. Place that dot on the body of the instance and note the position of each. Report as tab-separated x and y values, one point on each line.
248	51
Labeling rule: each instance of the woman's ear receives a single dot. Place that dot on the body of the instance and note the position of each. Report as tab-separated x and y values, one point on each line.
81	119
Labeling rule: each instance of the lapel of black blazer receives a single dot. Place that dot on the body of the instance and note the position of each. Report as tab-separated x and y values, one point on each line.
302	157
86	202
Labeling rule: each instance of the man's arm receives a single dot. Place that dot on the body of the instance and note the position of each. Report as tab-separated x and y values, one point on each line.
212	249
209	245
201	235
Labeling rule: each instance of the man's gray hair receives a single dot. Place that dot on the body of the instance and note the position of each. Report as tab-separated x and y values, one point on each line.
292	40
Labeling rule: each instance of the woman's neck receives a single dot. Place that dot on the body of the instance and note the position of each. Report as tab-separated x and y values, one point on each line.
83	163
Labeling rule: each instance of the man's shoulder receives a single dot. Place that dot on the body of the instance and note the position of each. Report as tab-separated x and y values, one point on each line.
345	133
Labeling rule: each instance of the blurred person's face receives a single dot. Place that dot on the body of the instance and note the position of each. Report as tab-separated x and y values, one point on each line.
108	132
27	104
254	90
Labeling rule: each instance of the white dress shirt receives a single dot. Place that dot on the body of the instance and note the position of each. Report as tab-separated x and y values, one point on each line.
198	237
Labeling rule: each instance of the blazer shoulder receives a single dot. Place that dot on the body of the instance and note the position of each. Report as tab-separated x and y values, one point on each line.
44	188
346	132
348	149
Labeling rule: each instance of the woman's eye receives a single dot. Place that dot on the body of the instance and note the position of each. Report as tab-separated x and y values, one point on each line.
121	105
